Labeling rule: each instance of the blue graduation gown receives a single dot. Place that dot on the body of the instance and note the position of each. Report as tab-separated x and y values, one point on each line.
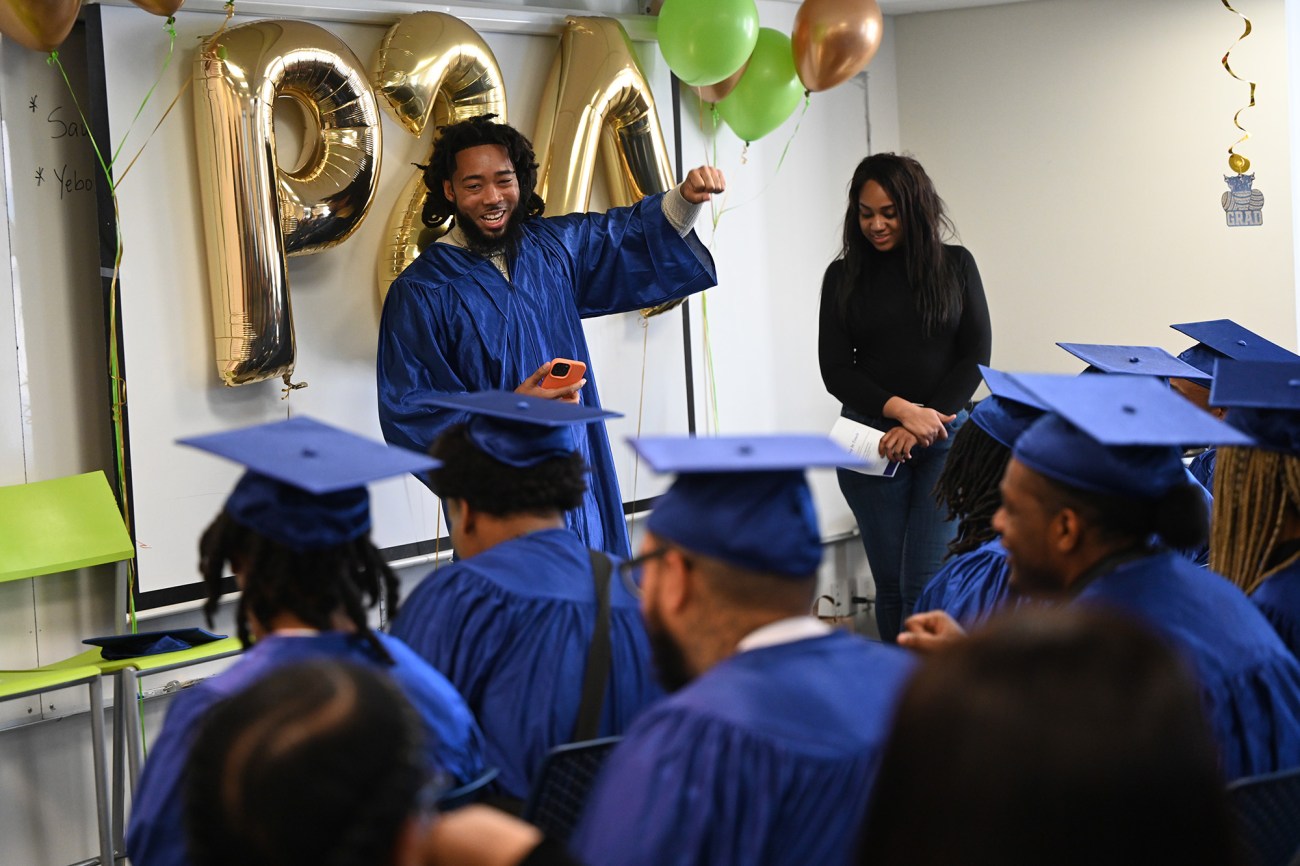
1249	681
452	323
768	758
970	587
156	834
1202	468
1278	598
510	627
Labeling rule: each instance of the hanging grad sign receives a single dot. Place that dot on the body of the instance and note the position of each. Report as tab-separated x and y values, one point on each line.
1242	205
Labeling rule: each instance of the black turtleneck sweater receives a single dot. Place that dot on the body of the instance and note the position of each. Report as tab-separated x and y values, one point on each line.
880	349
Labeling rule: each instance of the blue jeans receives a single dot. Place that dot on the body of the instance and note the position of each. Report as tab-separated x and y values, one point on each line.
903	528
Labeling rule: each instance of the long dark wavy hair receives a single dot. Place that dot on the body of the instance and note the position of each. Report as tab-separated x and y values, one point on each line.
932	273
469	133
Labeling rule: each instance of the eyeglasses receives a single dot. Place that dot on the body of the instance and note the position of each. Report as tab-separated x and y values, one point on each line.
631	570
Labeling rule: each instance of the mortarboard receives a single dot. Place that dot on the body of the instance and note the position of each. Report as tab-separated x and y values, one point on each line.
742	499
518	430
305	484
148	643
1264	397
1133	360
1119	435
1224	338
1009	411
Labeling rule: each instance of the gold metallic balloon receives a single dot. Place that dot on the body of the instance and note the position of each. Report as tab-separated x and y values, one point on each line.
597	101
257	213
718	92
429	66
165	8
834	40
1238	163
40	25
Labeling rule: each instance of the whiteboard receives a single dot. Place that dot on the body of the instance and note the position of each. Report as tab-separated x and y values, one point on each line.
166	327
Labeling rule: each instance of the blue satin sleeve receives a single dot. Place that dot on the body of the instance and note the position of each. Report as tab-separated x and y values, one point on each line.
630	258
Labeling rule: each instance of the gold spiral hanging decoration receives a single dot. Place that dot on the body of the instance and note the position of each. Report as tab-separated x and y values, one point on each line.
1236	161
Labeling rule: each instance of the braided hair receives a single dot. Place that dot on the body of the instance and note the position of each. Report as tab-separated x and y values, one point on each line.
968	486
318	763
313	585
474	132
1254	490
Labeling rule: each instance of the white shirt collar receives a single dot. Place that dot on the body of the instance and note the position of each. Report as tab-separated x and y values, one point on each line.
788	630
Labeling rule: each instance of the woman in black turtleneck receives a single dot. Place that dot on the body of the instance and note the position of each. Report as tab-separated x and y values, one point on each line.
904	328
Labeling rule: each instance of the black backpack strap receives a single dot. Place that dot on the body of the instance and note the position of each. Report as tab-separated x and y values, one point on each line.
597	672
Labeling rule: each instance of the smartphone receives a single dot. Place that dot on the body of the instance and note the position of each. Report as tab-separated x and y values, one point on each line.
564	373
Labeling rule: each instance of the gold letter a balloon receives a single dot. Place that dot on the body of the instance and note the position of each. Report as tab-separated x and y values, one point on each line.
834	40
40	25
165	8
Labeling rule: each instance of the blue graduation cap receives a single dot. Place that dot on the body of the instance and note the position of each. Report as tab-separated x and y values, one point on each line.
148	643
1133	360
1223	338
1120	435
1009	411
519	430
1264	397
742	499
305	484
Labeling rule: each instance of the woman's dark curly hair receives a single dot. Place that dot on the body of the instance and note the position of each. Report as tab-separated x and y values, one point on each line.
312	585
476	131
496	488
969	486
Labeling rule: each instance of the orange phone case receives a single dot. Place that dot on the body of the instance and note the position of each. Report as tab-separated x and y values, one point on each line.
576	371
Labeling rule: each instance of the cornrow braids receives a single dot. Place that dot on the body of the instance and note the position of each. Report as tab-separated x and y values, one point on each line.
313	585
968	486
1253	490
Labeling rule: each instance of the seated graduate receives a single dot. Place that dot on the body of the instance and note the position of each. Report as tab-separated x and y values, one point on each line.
1219	339
1088	487
527	612
1255	541
295	530
1071	737
1156	363
322	763
972	583
765	751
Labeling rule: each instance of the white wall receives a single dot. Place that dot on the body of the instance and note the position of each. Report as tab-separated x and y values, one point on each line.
1082	146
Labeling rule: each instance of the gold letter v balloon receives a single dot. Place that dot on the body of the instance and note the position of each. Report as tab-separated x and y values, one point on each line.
40	25
705	41
768	91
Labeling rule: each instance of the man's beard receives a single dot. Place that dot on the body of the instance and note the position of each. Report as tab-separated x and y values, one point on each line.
487	245
669	660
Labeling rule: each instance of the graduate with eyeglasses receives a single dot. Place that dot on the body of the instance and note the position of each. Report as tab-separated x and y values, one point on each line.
765	751
527	623
296	533
1093	499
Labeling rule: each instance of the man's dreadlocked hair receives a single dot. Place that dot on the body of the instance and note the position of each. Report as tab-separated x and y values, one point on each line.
496	488
968	486
311	585
1254	490
473	132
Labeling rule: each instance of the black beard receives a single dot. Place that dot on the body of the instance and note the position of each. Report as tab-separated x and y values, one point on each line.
486	245
669	660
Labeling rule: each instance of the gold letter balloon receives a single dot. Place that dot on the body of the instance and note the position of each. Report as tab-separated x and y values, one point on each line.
165	8
429	65
597	102
40	25
256	212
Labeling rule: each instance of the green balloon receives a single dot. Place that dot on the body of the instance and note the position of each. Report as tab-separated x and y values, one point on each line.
706	41
768	91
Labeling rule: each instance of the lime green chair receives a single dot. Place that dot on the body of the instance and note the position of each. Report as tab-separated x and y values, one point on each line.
52	526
